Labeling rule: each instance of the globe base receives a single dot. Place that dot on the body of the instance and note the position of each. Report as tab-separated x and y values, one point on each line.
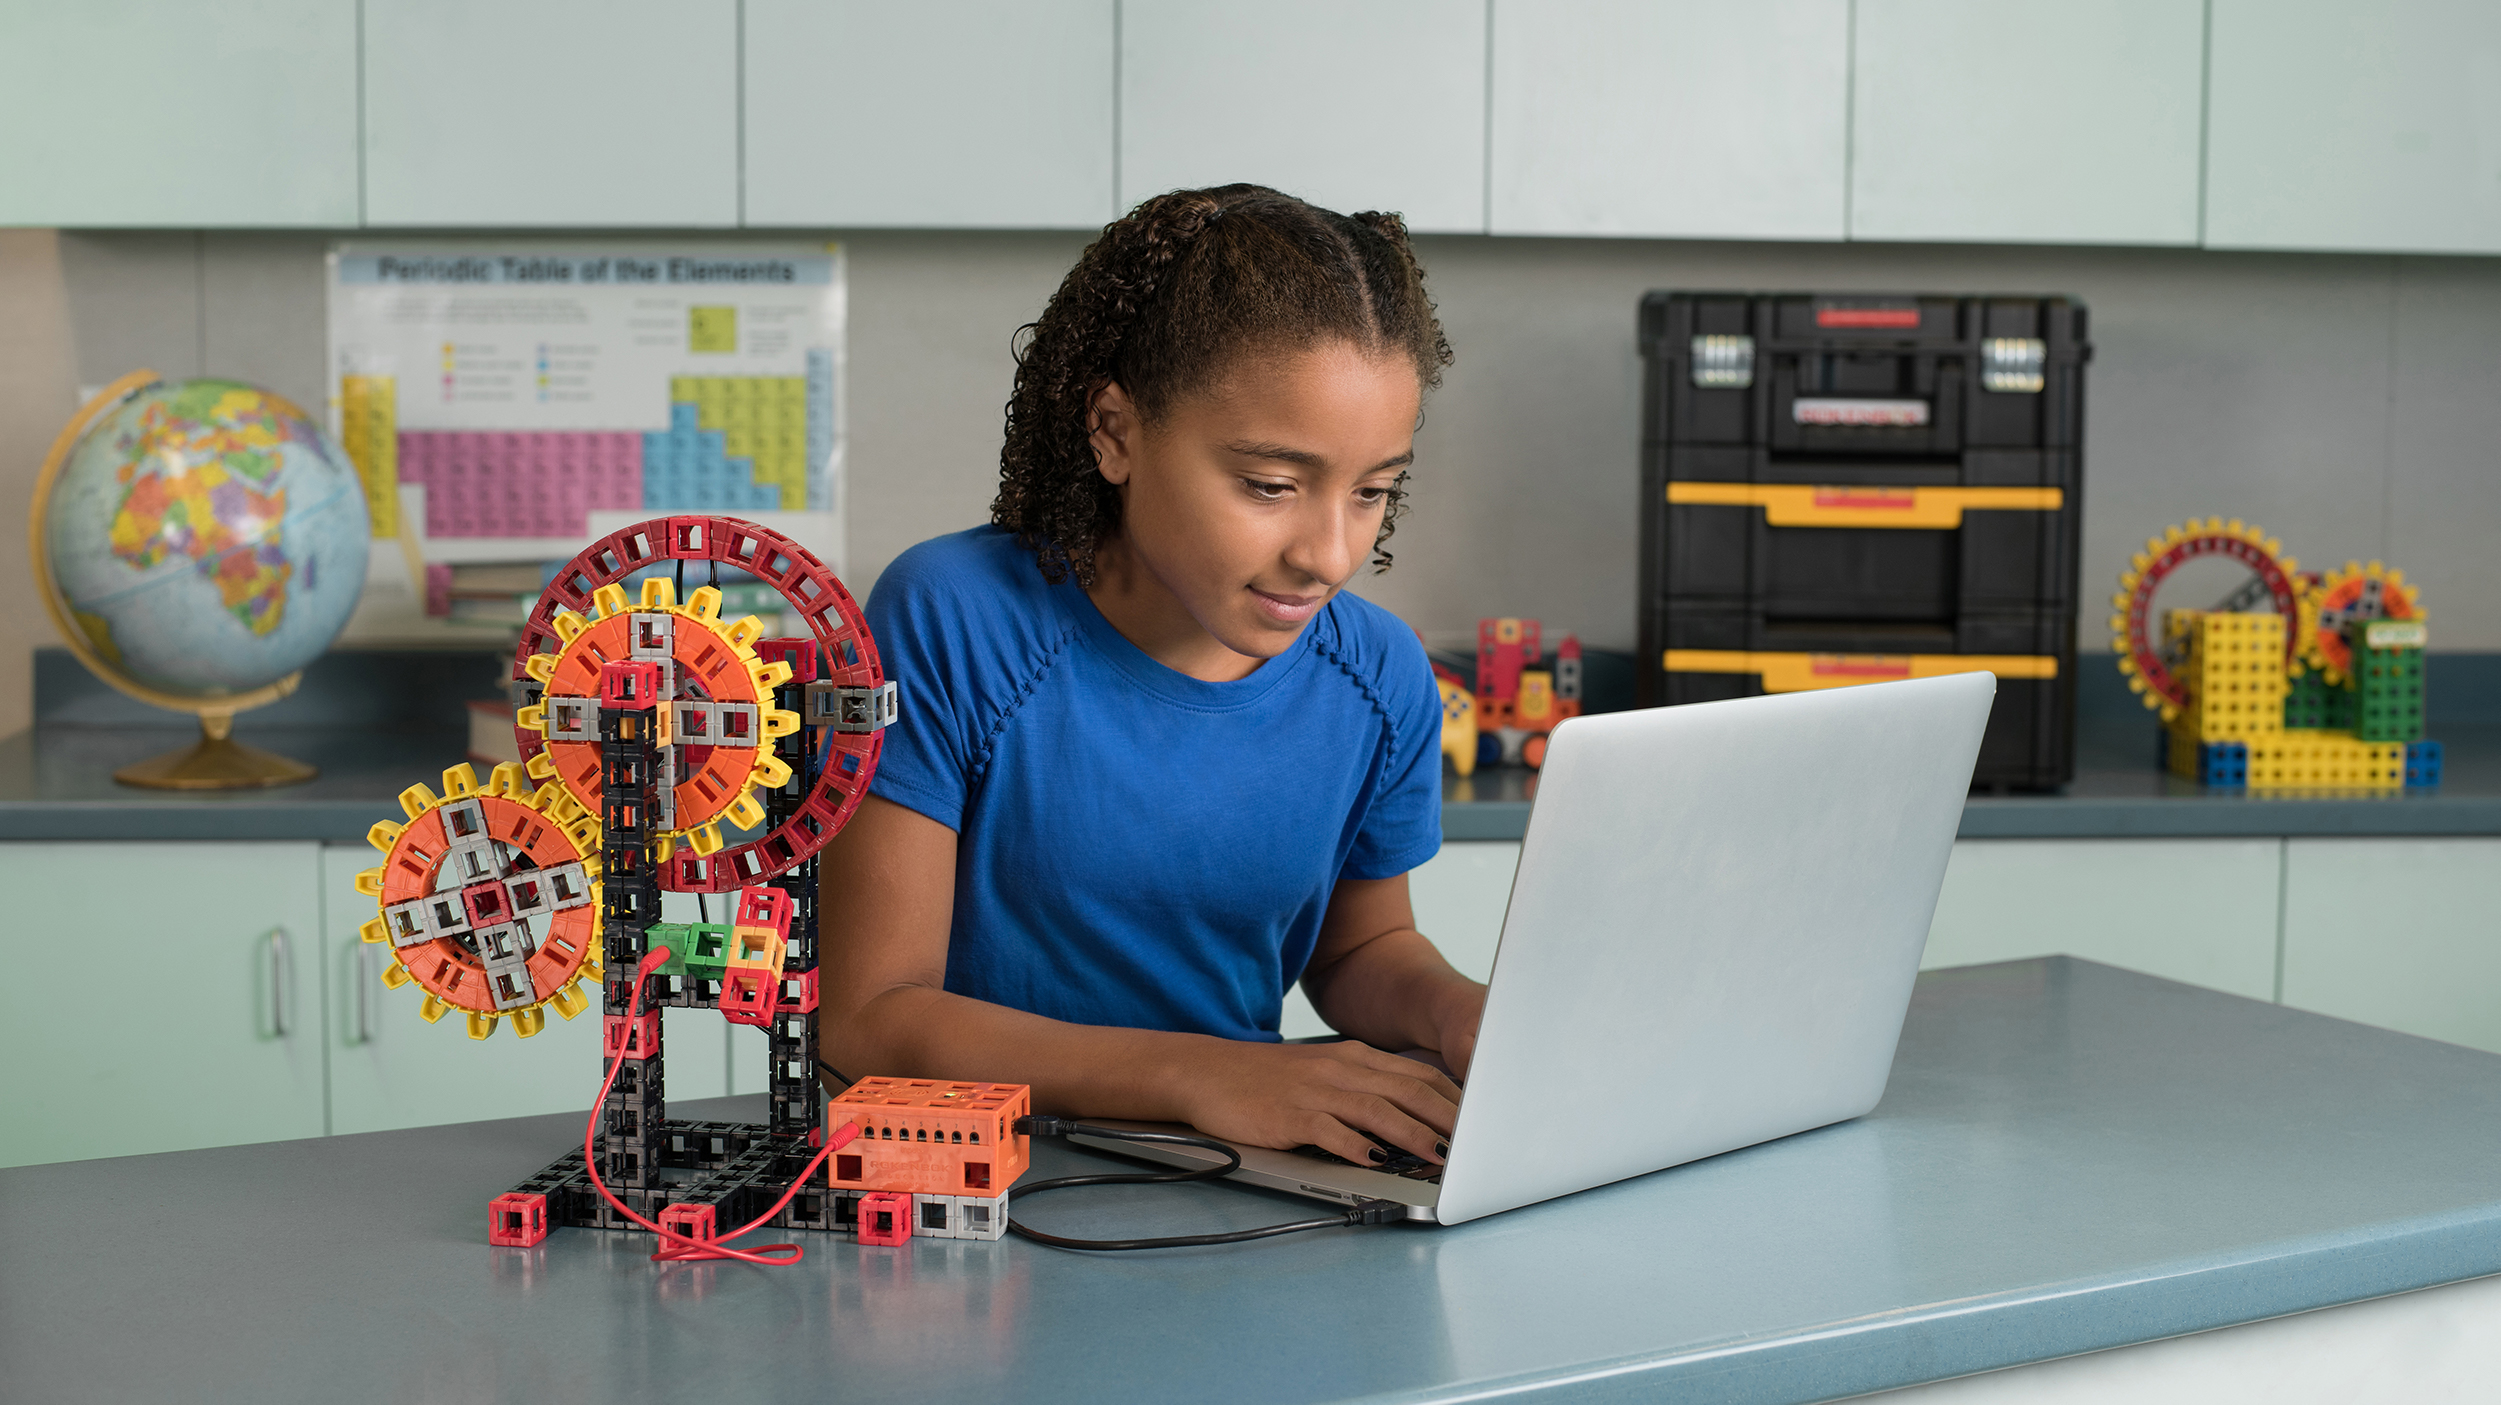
215	762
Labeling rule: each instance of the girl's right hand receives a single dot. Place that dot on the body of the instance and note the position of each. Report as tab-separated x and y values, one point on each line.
1323	1095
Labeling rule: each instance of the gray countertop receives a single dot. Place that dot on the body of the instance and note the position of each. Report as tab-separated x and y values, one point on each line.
2068	1158
378	723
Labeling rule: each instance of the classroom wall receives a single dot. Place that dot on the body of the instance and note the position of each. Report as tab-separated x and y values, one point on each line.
2348	403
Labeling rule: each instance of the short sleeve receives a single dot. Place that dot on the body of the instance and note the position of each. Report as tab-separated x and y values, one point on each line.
1403	826
926	761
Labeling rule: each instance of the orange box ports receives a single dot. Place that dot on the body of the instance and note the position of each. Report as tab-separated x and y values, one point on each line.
976	1175
846	1168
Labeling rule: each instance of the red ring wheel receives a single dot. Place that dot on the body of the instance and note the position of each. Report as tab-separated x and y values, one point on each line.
2139	654
850	658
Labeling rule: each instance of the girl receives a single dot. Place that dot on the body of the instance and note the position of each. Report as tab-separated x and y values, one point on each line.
1153	766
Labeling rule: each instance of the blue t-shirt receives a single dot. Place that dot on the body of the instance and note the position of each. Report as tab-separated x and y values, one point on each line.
1137	847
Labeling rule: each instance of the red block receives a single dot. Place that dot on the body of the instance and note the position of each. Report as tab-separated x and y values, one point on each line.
631	685
635	1039
800	654
885	1217
765	907
750	995
694	1221
516	1218
801	1001
488	904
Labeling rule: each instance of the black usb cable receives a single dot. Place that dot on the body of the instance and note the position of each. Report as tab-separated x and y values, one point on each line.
1368	1212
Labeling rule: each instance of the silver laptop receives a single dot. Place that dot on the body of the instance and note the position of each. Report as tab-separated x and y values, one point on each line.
1711	940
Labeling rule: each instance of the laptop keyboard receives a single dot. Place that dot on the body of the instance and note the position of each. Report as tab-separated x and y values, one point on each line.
1400	1163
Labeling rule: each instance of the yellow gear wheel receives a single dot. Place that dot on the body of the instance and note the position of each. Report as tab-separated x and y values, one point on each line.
2353	592
2133	638
716	723
489	899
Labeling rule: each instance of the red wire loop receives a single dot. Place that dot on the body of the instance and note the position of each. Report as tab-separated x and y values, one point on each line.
679	1248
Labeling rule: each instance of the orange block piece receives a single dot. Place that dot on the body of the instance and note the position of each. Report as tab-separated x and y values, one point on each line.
931	1137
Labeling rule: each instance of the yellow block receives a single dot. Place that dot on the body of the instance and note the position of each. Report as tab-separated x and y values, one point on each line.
2234	673
369	423
1795	673
1841	505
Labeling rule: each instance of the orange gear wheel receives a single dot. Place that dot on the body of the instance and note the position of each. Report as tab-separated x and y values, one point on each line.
489	899
2356	592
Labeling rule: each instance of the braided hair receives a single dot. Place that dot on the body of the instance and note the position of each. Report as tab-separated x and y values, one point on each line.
1164	302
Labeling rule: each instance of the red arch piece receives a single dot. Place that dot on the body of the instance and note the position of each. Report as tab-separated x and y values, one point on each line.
816	595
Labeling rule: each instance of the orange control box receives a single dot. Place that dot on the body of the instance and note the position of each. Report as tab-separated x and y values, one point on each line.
930	1137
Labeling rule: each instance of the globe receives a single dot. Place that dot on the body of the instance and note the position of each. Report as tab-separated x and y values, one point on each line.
199	542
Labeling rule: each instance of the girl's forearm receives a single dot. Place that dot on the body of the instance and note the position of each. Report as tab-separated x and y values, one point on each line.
1392	992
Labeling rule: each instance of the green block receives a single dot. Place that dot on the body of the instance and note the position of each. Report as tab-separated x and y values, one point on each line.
2309	703
673	936
707	953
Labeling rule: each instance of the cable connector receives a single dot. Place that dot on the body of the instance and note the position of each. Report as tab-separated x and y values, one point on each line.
1377	1212
1037	1125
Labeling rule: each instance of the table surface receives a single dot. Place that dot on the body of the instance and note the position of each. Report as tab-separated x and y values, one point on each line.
2069	1157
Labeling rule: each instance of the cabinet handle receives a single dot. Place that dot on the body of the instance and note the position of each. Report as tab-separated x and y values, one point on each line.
366	976
279	980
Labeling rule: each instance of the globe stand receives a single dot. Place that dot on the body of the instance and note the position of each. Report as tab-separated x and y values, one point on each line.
216	762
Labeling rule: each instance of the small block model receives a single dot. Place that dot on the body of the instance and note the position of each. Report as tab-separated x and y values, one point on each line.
885	1217
516	1219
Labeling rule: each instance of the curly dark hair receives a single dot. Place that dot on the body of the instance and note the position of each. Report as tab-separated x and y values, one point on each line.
1163	302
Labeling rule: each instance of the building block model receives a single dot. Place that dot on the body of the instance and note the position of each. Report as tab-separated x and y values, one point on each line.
647	724
1847	488
1517	701
2323	693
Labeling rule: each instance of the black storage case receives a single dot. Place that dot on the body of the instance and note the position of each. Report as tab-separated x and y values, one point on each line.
1898	398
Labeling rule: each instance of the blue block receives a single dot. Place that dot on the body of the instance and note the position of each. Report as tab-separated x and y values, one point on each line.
685	417
2223	764
2422	765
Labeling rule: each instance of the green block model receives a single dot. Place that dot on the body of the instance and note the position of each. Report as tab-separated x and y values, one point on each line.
2387	679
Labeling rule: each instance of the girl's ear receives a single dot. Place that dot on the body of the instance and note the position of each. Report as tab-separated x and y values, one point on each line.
1112	429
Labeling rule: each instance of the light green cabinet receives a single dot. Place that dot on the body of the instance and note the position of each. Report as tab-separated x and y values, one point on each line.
2075	124
977	114
1679	119
567	113
152	113
2404	933
168	997
1351	104
2355	127
2201	911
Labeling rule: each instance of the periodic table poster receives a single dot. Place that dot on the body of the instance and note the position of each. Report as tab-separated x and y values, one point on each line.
525	387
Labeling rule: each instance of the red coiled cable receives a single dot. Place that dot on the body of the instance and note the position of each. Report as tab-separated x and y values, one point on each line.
679	1248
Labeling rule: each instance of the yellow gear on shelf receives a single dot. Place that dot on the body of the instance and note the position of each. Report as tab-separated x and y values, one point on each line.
2141	656
489	899
2353	592
698	648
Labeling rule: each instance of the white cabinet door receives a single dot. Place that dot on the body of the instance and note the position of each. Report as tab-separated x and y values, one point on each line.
162	112
2403	933
2072	124
1459	896
1350	104
2342	126
1681	119
568	113
390	1069
977	114
2196	910
168	997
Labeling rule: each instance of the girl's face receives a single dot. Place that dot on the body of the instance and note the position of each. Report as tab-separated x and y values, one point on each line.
1248	505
